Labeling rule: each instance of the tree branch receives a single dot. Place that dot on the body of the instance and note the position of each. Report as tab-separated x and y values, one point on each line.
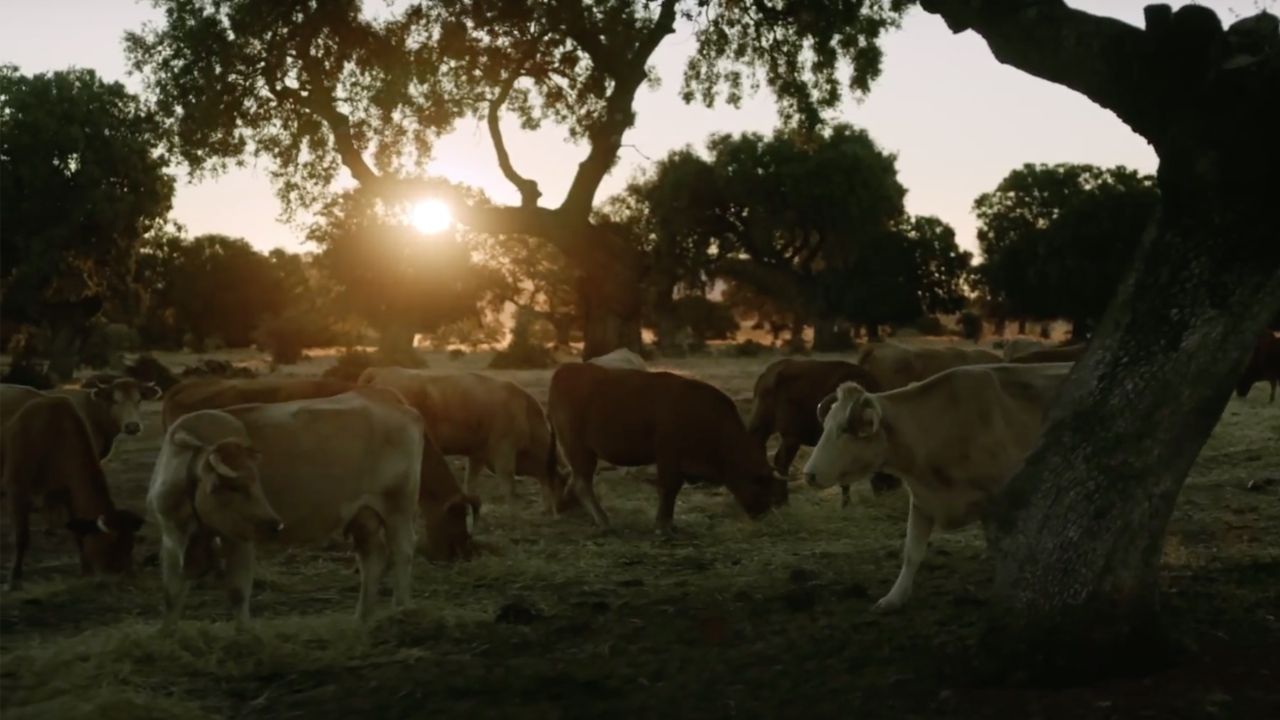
1106	60
527	188
606	137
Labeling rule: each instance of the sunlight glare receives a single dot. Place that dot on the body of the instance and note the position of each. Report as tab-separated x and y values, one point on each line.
430	217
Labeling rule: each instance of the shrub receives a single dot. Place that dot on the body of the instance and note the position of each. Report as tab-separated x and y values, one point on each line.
930	325
30	373
457	354
284	337
523	357
748	348
106	342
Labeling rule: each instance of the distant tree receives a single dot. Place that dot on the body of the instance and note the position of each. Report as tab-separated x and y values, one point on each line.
535	280
81	185
318	86
1058	239
223	288
398	280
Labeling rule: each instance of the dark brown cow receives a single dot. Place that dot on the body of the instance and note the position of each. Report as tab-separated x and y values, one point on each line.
49	461
1264	364
688	428
1066	353
786	399
213	393
110	405
443	504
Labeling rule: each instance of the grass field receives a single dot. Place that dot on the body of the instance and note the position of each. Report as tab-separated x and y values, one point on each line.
727	619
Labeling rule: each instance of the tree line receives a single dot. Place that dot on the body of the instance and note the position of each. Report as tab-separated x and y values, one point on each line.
791	232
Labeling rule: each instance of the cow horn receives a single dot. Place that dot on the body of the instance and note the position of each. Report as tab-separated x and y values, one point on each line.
102	524
220	467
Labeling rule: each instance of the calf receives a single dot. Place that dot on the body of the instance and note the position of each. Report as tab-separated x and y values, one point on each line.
955	439
1264	364
686	427
291	473
49	460
786	399
494	423
110	406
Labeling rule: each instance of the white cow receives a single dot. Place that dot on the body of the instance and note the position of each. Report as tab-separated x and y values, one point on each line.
955	440
621	359
292	473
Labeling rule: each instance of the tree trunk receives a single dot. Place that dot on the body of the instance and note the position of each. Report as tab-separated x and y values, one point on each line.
1022	326
609	292
395	345
563	325
796	343
64	352
1000	324
831	336
873	332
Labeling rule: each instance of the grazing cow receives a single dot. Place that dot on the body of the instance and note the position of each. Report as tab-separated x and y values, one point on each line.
1066	353
895	366
445	507
622	359
1021	346
50	461
493	423
109	405
686	427
291	473
213	393
1264	364
785	400
955	440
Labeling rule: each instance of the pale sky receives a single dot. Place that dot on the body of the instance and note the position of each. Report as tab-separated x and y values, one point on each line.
957	120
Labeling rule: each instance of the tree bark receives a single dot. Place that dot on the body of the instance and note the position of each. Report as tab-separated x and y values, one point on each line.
1077	534
395	345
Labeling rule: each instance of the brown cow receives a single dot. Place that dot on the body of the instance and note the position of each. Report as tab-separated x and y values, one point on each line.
215	393
493	423
1264	364
1066	353
786	399
895	366
109	405
444	506
686	427
49	460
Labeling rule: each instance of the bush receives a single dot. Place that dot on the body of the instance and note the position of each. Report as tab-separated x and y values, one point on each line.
30	373
971	325
930	325
457	354
523	357
284	337
748	348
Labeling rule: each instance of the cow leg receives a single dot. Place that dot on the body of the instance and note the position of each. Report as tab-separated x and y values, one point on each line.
20	517
175	579
239	558
365	530
786	453
1273	391
844	495
582	484
669	484
400	544
919	527
475	465
504	466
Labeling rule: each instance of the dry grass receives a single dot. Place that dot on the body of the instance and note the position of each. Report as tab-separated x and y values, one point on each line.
729	618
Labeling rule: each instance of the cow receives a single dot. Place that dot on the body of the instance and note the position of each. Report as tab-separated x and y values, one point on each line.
447	511
49	460
1020	346
1264	364
109	405
212	393
621	358
686	427
895	366
493	423
291	473
955	440
785	400
1065	353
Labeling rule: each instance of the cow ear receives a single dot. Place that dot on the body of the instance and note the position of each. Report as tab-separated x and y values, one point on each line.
102	393
82	527
150	391
864	418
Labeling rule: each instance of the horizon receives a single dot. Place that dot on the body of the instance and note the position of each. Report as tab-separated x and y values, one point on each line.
996	119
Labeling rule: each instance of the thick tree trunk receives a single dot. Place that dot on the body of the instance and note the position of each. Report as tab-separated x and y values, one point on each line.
796	343
395	345
64	352
831	336
1022	326
609	291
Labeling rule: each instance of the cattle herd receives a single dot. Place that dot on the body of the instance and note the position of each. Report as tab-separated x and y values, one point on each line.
298	461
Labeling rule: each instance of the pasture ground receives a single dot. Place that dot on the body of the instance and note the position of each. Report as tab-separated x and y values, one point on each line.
727	619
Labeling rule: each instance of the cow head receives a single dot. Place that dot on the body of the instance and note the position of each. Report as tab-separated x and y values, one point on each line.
449	527
124	397
228	496
760	490
106	542
853	443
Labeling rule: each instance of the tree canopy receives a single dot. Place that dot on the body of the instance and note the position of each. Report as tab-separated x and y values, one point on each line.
1058	239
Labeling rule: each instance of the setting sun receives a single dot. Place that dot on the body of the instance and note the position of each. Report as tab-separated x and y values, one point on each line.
430	217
